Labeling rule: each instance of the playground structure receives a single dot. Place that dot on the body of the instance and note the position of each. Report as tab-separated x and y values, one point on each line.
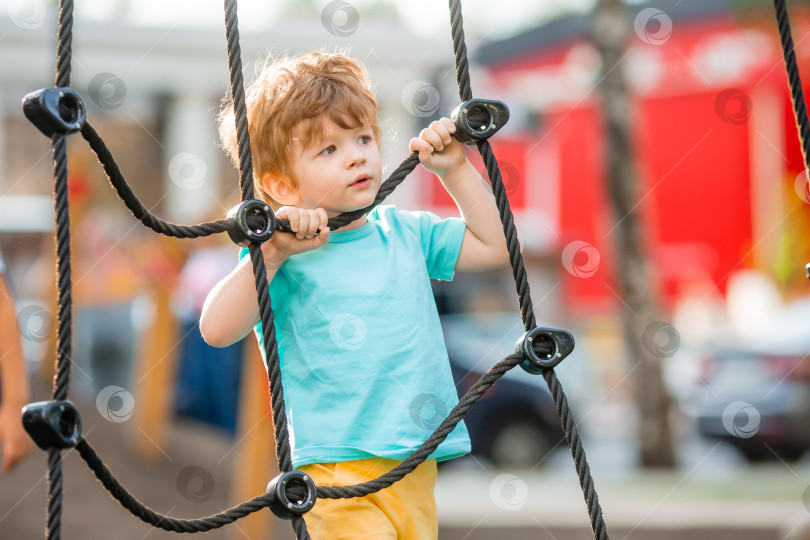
55	425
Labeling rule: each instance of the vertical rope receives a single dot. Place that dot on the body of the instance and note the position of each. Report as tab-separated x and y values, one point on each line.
460	51
53	521
64	46
794	80
283	450
63	353
238	96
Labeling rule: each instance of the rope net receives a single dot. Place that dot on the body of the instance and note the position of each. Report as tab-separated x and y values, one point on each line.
140	212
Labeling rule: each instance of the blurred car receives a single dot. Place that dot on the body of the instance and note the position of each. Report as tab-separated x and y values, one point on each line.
515	423
756	391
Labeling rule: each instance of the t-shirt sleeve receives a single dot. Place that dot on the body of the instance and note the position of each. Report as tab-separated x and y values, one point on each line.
439	238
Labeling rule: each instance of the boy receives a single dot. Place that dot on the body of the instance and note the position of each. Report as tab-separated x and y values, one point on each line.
362	355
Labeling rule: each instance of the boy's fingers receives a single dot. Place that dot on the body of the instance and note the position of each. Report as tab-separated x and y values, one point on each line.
441	130
424	148
433	138
418	145
314	223
324	218
449	124
303	225
292	217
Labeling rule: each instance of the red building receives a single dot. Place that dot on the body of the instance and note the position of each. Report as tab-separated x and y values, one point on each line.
717	153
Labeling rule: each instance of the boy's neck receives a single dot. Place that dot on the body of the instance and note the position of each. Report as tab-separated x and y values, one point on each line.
356	224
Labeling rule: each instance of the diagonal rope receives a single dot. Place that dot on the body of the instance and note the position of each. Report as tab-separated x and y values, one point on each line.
522	283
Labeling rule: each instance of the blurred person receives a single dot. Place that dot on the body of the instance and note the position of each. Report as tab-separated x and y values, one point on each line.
14	392
208	378
107	279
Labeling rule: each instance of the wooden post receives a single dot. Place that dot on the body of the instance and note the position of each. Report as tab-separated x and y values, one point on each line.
255	462
155	372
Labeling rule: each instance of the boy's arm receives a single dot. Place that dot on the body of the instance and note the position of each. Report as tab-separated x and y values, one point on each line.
230	310
15	441
484	245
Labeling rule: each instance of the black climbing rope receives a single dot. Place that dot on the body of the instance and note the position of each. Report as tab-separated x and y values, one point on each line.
794	80
293	491
522	283
796	91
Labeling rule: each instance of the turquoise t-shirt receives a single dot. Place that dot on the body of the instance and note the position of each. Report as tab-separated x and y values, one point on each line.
363	361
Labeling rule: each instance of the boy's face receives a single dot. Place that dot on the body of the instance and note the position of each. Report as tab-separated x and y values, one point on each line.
341	172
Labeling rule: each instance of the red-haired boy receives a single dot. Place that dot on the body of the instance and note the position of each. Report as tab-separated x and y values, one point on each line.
361	348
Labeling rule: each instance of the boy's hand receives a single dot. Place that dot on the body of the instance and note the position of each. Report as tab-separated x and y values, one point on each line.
14	441
439	151
304	223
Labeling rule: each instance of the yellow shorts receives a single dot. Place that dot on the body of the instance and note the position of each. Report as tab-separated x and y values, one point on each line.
404	511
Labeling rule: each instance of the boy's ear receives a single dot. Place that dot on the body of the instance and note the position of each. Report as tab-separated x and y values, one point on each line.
281	189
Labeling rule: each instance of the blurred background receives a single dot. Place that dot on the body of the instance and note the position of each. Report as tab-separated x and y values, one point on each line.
676	260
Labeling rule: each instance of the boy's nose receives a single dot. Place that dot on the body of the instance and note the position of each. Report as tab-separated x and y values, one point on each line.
356	158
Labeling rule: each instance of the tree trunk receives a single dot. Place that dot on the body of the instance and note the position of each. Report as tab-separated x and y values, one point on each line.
643	331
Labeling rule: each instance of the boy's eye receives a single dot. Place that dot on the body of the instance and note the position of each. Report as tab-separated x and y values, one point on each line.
364	139
329	149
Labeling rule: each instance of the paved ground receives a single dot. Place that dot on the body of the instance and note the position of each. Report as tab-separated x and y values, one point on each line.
476	501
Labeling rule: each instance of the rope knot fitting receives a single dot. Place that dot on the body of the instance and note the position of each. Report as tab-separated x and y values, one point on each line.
254	221
544	348
479	119
52	424
302	489
55	110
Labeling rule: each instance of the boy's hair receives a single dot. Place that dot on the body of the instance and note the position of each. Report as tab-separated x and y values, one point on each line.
289	100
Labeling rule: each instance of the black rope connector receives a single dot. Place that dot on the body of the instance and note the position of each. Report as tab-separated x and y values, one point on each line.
52	424
302	489
479	119
254	222
55	110
544	348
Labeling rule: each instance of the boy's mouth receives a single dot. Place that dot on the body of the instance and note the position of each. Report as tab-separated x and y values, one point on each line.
361	181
